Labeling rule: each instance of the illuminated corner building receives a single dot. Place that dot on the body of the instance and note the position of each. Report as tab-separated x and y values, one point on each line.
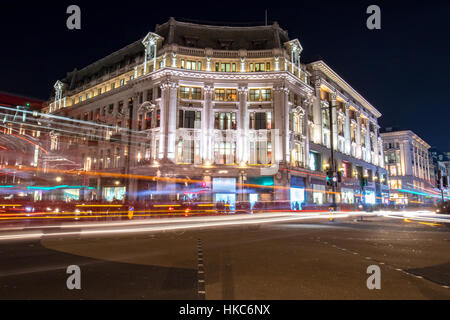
358	147
407	161
231	106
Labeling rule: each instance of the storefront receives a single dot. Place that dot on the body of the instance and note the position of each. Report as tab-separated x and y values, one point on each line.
369	197
260	188
114	193
347	195
318	192
297	192
224	190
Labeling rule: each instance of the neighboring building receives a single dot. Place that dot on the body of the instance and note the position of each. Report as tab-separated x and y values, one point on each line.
231	106
408	164
357	142
19	140
438	161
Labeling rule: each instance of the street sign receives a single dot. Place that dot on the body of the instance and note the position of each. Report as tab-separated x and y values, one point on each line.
130	212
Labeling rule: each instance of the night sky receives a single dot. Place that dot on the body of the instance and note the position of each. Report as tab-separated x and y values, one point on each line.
402	69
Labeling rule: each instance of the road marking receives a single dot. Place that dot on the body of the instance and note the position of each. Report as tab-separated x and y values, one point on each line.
201	289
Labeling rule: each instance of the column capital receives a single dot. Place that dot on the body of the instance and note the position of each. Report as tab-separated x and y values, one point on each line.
243	89
281	88
168	84
208	88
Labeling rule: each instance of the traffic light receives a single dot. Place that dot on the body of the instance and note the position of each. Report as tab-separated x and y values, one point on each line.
339	176
329	178
438	179
363	182
445	181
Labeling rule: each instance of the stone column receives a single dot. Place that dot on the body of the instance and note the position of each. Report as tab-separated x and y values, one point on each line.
317	114
407	157
208	124
335	120
281	120
347	135
243	126
168	114
376	161
308	101
358	135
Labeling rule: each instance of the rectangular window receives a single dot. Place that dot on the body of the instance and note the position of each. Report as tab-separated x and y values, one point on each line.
225	152
260	121
260	152
260	94
266	94
190	93
190	65
148	120
184	92
225	95
196	93
189	119
225	120
260	67
225	67
219	95
254	95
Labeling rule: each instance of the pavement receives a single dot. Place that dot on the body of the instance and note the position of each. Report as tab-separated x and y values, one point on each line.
283	259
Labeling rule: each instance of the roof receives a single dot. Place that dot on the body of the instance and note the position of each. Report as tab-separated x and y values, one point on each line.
394	134
74	77
186	34
222	37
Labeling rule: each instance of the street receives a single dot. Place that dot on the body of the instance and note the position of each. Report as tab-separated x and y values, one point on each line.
312	258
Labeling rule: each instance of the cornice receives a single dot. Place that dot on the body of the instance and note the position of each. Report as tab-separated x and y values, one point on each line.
323	67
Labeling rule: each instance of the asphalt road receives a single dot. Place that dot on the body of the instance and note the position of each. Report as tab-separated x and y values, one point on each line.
316	259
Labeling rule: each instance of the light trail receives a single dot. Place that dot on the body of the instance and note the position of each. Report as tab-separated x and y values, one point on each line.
144	177
186	226
417	216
